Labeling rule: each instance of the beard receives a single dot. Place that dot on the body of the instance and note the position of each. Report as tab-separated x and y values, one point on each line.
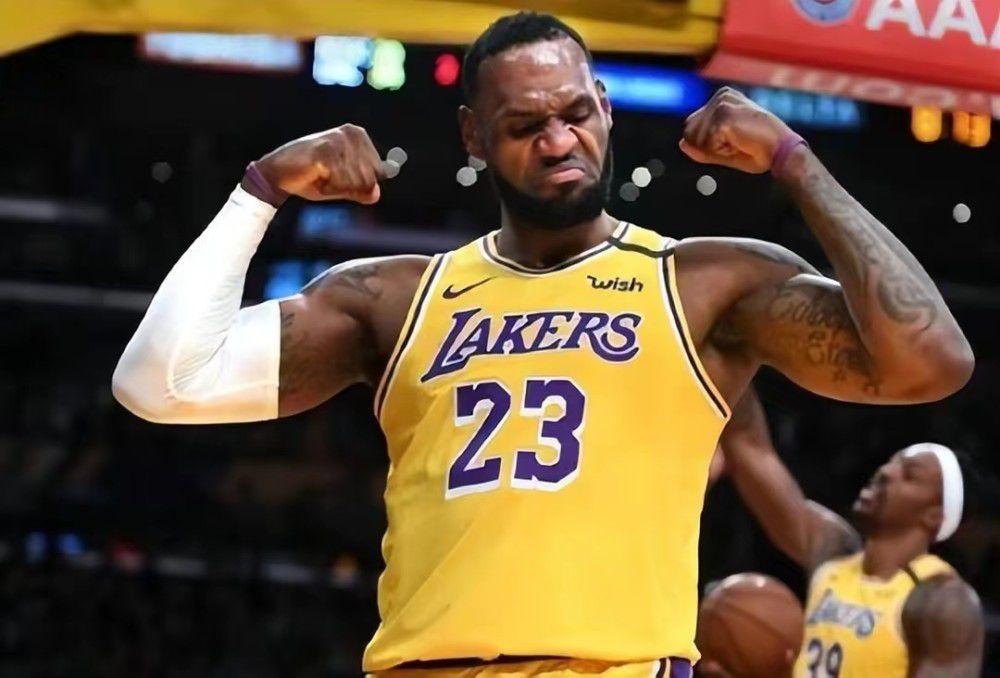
557	213
865	523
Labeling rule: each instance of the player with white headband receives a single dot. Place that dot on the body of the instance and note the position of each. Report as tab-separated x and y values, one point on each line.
879	603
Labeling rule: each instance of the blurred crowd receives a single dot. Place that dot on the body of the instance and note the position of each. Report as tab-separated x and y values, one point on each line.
59	621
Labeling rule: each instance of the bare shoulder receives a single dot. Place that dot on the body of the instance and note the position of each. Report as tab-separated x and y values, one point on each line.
768	256
942	623
943	597
342	326
363	280
713	274
376	292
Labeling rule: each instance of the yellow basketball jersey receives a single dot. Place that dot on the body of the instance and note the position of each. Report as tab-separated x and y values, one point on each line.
549	435
854	622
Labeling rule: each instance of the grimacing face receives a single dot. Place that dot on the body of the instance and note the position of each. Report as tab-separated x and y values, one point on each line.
542	124
904	493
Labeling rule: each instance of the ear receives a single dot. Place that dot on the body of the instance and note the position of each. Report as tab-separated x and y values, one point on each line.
469	127
602	95
932	519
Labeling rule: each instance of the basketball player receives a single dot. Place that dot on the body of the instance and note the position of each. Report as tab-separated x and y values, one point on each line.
882	607
527	383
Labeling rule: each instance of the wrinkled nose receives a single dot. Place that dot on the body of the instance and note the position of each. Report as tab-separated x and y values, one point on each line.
556	141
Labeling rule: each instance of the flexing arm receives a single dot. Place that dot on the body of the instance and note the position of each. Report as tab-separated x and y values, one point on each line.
342	327
883	333
943	629
198	358
805	531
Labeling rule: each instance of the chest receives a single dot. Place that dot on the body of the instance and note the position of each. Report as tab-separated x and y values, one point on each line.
853	627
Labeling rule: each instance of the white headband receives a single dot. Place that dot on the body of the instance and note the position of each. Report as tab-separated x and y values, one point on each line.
952	485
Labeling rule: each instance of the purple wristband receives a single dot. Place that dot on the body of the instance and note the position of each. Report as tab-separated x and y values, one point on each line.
784	151
256	185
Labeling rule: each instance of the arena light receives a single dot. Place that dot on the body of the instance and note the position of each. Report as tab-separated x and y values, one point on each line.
961	213
318	222
239	52
350	60
387	71
805	108
70	545
926	123
341	59
971	129
654	89
446	69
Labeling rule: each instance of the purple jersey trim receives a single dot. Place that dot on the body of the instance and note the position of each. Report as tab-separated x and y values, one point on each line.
680	668
408	335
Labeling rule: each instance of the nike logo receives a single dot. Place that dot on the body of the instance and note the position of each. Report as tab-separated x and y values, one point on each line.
449	293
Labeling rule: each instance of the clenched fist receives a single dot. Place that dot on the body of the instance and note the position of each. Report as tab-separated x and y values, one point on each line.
732	130
338	164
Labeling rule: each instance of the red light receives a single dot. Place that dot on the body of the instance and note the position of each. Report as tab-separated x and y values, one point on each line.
446	69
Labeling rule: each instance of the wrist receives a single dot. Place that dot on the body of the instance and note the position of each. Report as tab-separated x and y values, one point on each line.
792	164
256	184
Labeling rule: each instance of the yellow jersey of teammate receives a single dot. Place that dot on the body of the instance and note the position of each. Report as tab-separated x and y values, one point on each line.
854	622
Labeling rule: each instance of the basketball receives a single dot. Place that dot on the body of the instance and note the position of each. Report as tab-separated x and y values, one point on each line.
752	625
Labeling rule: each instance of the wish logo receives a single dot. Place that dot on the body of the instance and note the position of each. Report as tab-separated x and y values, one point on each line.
617	284
826	11
611	337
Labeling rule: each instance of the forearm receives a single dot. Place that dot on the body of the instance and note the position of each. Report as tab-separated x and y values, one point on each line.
196	357
773	497
901	318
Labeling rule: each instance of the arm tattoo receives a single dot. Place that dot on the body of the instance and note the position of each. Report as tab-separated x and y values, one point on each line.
307	365
299	357
814	324
357	278
867	252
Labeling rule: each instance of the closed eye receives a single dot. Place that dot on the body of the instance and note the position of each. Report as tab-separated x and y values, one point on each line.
577	113
580	112
530	128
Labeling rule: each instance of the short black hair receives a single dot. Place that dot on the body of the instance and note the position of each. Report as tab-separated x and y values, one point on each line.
514	29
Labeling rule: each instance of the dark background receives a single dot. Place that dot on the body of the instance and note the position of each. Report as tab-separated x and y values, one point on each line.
252	550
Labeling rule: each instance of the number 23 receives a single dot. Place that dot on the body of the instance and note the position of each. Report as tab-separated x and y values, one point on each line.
465	476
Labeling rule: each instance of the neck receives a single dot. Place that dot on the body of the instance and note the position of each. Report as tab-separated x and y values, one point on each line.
537	247
887	554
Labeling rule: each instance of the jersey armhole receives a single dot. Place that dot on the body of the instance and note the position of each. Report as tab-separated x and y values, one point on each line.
824	568
675	311
411	326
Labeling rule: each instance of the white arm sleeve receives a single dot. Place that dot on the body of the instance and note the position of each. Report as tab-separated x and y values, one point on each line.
197	358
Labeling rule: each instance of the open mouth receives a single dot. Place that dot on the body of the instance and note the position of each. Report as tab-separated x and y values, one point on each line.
870	495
